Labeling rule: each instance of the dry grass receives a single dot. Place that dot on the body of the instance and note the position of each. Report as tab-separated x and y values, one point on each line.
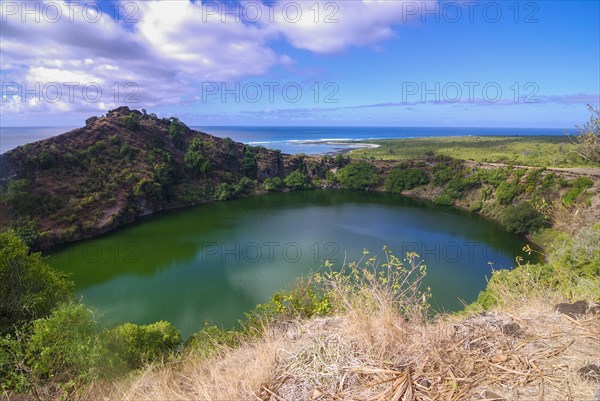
370	351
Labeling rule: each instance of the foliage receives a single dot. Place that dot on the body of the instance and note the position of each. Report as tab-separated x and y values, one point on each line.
358	176
403	179
212	339
176	129
506	192
392	285
579	186
580	253
250	161
244	186
20	196
195	159
587	140
572	269
273	184
139	345
224	191
305	298
131	121
296	180
62	352
523	219
28	288
444	199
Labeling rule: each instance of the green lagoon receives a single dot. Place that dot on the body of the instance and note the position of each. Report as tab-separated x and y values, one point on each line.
214	262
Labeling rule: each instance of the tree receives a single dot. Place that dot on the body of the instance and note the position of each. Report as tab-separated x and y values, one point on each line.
523	219
296	180
359	175
402	179
195	159
29	289
587	140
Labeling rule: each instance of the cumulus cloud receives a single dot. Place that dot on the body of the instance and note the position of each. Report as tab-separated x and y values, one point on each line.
330	27
168	50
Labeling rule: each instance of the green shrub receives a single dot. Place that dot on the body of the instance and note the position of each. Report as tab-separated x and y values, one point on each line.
445	169
195	159
250	161
20	196
579	186
359	175
245	186
523	219
176	129
29	289
296	180
138	345
506	192
444	199
224	191
64	351
458	186
493	176
403	179
581	253
273	184
305	298
131	121
212	339
114	140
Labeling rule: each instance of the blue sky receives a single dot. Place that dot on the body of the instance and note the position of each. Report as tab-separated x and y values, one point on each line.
379	63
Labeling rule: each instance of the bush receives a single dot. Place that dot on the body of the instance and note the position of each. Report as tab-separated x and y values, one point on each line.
296	180
399	179
445	170
22	199
224	191
64	351
359	175
273	184
176	129
195	159
245	186
523	219
579	186
138	345
444	199
212	339
131	121
582	252
506	192
28	288
250	162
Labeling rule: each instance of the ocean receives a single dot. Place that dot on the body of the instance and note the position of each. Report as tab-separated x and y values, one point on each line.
294	140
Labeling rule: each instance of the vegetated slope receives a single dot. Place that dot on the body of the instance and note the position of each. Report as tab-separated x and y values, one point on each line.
117	168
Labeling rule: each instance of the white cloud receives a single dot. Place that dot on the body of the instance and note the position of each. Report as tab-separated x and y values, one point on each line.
174	46
333	26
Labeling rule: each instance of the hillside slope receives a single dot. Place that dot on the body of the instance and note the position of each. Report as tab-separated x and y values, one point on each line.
118	168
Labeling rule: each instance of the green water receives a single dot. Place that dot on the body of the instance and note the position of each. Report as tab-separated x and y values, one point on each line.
214	262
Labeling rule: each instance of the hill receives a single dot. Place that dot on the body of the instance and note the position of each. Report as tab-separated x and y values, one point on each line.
118	168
